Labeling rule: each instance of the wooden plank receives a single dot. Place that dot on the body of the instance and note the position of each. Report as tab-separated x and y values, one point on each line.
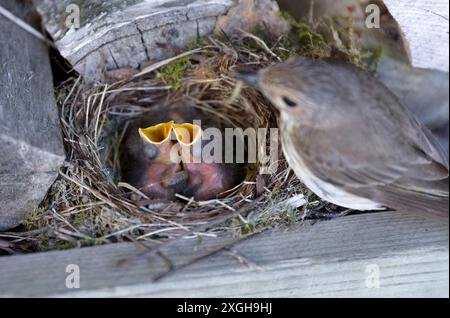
425	24
31	150
333	258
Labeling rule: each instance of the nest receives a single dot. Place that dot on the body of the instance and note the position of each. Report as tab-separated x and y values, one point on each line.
89	205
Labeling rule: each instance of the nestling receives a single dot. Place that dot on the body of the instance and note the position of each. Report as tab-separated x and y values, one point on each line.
147	161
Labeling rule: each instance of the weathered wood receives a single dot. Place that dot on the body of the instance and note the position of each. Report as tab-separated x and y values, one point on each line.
250	15
327	259
115	34
425	24
31	149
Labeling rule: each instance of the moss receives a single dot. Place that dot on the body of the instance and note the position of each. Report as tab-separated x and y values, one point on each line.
172	74
34	218
290	216
334	38
376	59
305	39
198	242
47	245
195	43
93	242
80	219
59	246
247	228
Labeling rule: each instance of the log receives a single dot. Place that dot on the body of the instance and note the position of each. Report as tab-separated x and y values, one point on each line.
337	258
117	34
121	34
31	150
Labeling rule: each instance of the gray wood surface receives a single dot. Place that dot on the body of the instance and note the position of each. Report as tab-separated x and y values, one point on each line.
425	25
31	149
332	258
116	34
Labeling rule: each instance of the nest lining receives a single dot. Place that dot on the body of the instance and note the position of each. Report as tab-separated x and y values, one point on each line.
88	205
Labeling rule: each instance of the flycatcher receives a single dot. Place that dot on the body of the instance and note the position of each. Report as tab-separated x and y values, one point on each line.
349	140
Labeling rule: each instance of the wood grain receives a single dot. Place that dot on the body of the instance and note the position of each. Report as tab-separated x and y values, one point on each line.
31	149
425	24
116	34
325	259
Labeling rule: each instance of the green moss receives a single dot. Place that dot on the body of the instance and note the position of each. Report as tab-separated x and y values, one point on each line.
33	219
58	246
80	219
173	73
198	242
305	39
93	242
290	216
47	245
247	228
376	58
334	38
195	43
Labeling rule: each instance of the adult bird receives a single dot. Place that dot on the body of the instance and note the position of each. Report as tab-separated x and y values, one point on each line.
349	140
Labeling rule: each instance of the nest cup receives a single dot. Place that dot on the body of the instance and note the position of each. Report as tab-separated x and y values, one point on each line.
91	194
90	204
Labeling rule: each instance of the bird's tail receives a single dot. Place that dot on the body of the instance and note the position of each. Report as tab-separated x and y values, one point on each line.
428	204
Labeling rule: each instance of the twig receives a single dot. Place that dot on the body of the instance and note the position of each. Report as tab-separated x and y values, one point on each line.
24	26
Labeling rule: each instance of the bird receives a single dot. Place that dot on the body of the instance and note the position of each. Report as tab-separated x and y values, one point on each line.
347	137
158	156
206	179
147	164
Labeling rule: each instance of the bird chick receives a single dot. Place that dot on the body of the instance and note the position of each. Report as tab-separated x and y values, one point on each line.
147	164
150	156
206	180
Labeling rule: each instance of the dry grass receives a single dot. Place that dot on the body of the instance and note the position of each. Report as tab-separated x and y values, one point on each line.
88	204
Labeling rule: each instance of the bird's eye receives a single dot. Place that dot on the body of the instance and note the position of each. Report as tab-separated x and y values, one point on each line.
151	151
289	102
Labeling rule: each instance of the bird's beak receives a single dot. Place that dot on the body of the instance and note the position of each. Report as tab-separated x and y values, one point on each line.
251	78
157	134
187	134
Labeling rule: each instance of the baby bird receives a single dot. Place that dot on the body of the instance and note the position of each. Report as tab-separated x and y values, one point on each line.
206	180
147	164
159	159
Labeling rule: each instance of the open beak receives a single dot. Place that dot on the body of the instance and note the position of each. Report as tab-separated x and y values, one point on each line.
157	134
187	134
251	78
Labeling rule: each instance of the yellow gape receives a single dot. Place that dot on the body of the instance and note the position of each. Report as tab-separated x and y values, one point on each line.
187	134
157	134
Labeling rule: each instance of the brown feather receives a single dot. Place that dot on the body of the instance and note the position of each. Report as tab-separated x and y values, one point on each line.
350	131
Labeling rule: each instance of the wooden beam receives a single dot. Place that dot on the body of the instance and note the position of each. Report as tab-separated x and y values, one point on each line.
336	258
116	34
31	149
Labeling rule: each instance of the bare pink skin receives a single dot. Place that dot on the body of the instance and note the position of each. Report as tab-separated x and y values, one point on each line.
208	180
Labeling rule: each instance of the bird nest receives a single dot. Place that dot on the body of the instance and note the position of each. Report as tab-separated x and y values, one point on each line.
90	204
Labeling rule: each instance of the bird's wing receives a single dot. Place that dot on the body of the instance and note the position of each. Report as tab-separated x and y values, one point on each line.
412	183
379	151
